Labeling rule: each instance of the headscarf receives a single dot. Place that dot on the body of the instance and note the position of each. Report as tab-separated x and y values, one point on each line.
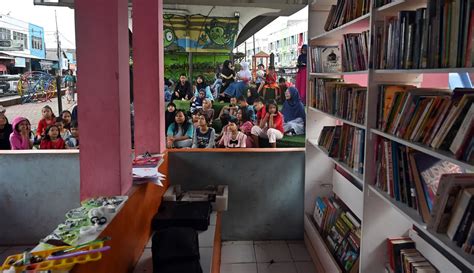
226	71
302	59
244	71
21	144
293	108
253	96
201	85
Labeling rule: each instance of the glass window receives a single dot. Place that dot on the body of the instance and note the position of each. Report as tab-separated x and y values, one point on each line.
5	34
37	43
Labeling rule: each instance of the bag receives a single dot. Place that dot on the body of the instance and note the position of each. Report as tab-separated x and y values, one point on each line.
182	214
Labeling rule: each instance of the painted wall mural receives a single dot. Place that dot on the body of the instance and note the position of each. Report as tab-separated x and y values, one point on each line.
198	33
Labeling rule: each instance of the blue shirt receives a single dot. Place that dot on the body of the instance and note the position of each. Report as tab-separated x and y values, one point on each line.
188	133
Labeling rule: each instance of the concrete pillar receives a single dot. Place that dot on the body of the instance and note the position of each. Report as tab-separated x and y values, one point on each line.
148	73
103	94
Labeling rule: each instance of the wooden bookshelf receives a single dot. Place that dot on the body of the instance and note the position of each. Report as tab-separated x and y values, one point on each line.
441	154
361	126
378	208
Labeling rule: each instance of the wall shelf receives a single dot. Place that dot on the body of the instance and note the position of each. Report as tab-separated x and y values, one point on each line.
441	154
425	71
338	118
357	25
338	73
394	7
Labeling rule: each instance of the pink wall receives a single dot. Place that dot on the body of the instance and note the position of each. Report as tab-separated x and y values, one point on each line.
435	80
103	96
148	65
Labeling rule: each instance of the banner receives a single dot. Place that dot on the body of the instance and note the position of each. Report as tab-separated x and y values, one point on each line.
20	62
198	33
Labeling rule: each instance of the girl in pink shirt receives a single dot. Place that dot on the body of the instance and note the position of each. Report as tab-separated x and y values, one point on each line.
233	138
20	138
245	125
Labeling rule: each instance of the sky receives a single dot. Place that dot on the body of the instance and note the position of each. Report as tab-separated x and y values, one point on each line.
281	22
43	16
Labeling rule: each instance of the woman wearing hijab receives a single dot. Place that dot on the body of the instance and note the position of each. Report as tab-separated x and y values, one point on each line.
238	88
293	113
227	76
202	85
301	75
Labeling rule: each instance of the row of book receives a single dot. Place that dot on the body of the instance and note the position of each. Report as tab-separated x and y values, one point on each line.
340	229
435	117
438	36
345	143
429	185
405	258
343	100
325	59
345	11
355	51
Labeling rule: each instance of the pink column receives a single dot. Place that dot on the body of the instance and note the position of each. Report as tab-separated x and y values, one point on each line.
103	96
148	76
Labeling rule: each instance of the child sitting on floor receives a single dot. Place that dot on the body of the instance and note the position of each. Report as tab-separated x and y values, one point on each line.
180	132
67	118
207	110
47	120
260	110
271	126
197	101
233	138
204	136
65	133
270	84
52	139
229	111
169	114
73	141
245	125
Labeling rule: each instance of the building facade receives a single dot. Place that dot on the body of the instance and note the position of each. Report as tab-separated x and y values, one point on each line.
21	45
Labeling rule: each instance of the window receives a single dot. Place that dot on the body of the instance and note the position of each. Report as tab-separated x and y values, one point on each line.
36	43
18	36
5	34
285	42
292	39
278	44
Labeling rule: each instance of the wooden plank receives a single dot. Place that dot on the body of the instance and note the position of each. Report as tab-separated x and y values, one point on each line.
216	255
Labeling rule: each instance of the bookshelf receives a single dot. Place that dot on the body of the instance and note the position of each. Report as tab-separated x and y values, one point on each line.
381	215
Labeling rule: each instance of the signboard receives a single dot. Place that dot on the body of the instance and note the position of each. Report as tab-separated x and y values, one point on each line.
20	62
46	65
198	33
11	45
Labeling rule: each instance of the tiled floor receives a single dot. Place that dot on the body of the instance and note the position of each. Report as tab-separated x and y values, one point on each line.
265	257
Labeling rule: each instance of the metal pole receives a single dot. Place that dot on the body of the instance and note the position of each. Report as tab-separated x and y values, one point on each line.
58	75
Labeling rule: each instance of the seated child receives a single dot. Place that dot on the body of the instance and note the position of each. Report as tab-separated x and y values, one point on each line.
283	85
233	138
73	141
245	125
47	120
249	108
204	136
197	101
270	85
67	118
271	126
228	111
52	139
195	118
180	132
207	110
65	133
260	110
169	114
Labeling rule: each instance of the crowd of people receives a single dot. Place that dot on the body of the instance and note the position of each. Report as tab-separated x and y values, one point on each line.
252	113
52	132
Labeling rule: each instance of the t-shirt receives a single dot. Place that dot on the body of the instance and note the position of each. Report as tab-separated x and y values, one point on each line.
5	137
72	142
43	124
238	142
180	132
204	140
50	145
278	123
261	114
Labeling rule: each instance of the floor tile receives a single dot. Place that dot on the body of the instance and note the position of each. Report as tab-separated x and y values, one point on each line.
239	268
206	238
277	252
225	243
299	253
305	267
276	267
206	258
269	242
237	253
213	218
145	264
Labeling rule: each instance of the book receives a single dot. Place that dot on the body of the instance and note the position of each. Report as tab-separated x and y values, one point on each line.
355	52
326	59
463	202
394	246
345	11
449	187
464	133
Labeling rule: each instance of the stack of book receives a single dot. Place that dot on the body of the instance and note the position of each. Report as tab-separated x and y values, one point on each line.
340	229
343	100
404	257
325	59
355	51
434	117
436	188
344	143
145	169
346	11
439	36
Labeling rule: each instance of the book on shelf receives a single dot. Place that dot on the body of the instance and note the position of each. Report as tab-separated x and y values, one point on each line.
326	59
409	176
404	257
343	100
340	229
345	11
434	117
438	36
344	143
355	51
